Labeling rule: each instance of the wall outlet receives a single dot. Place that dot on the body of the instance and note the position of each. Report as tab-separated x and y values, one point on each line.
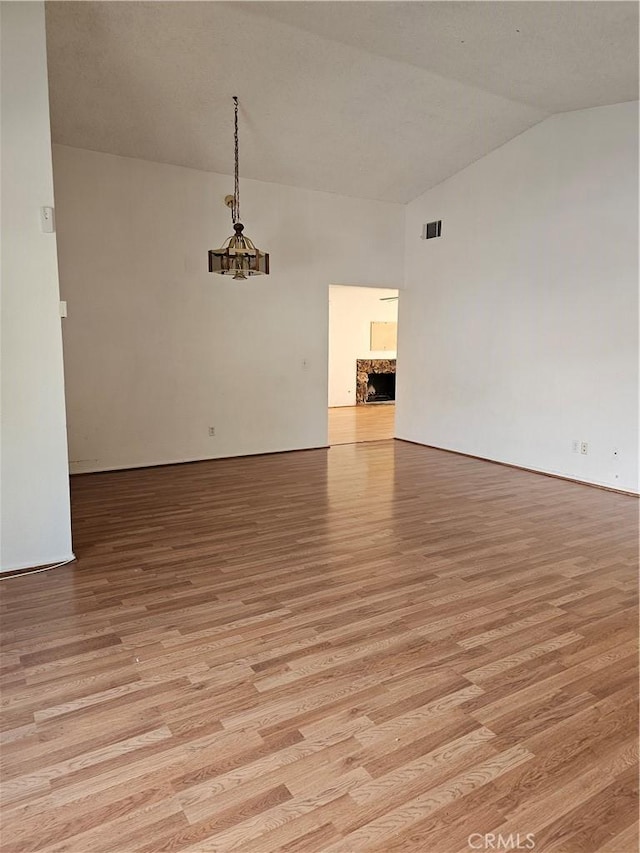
584	448
575	446
212	431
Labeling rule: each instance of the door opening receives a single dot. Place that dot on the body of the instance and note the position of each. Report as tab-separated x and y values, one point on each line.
363	329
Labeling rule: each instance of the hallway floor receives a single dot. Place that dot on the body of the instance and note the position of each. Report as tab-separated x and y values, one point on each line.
353	424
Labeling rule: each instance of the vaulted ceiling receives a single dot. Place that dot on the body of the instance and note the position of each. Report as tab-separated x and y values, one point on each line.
378	100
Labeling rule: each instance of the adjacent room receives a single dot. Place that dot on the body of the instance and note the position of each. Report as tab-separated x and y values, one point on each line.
319	447
363	347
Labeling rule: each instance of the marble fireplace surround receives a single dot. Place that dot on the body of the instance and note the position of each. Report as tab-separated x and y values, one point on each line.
365	366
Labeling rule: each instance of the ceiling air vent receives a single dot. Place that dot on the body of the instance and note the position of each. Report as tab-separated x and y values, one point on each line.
431	230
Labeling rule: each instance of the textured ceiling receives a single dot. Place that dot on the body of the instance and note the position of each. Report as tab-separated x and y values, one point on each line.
371	99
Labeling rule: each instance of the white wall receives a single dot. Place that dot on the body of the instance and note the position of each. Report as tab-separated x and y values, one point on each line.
520	324
157	349
35	484
351	312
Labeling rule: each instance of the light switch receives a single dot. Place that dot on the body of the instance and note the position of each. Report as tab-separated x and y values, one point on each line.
47	220
63	309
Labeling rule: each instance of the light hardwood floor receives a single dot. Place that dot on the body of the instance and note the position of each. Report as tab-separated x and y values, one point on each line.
352	424
375	647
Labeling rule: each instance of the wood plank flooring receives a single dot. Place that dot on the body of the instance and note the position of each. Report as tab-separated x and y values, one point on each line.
352	424
375	647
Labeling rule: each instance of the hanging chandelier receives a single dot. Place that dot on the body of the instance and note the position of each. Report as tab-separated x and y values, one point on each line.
238	257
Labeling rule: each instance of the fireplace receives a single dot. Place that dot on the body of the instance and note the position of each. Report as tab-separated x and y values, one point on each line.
381	388
375	381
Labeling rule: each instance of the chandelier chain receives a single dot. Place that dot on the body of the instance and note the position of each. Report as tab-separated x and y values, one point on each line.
235	210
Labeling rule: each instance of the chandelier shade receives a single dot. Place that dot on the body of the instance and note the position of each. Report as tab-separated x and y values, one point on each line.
238	257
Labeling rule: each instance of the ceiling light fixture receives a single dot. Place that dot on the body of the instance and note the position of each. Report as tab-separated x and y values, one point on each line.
238	257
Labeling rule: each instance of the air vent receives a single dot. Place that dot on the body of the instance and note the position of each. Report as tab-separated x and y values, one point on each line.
431	230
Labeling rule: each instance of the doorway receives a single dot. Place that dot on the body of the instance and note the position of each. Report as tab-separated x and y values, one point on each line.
363	328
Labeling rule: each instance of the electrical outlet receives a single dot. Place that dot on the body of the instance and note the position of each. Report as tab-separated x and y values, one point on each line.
575	446
212	431
584	448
